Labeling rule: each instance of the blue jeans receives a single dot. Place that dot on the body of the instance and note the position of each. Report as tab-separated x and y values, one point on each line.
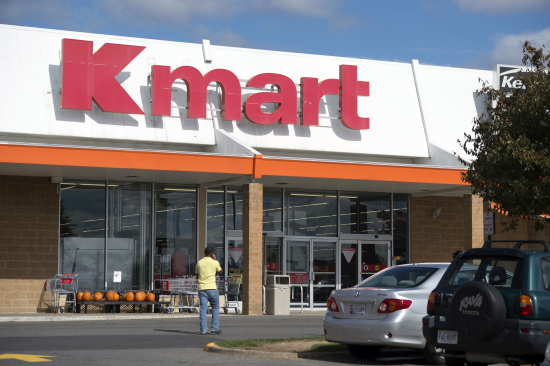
213	297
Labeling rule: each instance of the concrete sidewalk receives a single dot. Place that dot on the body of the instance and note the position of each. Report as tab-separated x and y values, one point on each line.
51	317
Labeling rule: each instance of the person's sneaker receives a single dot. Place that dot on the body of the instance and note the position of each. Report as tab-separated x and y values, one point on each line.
219	331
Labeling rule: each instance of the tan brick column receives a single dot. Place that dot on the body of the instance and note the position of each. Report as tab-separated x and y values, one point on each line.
252	248
473	225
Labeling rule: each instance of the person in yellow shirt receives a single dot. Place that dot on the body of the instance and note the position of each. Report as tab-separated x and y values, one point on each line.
206	271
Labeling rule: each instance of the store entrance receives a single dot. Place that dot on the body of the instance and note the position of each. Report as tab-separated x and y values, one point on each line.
360	259
311	265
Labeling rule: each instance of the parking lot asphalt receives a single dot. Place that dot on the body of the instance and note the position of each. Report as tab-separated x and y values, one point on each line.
166	338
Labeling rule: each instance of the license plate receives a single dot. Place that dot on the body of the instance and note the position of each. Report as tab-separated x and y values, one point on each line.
357	309
447	336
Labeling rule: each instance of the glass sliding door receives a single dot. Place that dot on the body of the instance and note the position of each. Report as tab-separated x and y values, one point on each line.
311	265
129	235
82	232
349	265
298	267
324	270
375	256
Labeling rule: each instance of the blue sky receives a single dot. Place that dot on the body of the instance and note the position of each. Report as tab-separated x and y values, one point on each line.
457	33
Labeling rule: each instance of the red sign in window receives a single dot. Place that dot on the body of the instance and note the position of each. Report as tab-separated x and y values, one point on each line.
373	267
298	278
272	266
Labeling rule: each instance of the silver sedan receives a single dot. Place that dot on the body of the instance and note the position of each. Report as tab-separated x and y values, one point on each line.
385	310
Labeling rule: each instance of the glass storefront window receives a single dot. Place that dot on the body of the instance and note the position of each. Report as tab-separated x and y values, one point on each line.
82	232
400	228
365	213
215	228
129	234
273	209
234	208
175	248
311	213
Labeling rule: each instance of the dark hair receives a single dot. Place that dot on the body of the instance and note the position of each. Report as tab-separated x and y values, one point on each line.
208	250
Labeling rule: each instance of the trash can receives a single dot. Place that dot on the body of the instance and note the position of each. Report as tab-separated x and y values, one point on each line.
277	295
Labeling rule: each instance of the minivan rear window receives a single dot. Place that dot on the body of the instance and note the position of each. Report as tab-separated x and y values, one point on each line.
502	272
399	277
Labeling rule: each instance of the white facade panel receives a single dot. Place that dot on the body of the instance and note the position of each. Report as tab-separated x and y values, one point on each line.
450	104
30	105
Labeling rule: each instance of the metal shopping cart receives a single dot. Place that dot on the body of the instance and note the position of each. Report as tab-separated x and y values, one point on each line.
64	288
183	294
231	293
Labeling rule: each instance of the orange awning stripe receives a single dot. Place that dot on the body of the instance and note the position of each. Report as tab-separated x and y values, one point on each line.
257	166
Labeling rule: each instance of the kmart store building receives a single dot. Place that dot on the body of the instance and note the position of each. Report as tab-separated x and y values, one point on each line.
132	155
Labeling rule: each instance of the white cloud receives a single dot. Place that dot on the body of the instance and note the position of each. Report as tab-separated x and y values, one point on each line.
222	38
177	12
508	48
503	6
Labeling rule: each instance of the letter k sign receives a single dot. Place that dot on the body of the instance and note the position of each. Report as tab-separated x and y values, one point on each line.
85	75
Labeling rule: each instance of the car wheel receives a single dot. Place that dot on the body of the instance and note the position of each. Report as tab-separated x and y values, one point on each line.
434	355
478	311
363	352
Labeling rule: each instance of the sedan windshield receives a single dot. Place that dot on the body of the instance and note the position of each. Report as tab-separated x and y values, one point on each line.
399	277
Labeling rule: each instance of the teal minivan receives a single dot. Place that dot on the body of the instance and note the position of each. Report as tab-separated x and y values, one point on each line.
492	305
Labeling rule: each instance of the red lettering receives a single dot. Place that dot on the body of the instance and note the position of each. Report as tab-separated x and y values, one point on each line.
311	93
196	84
286	98
86	76
350	89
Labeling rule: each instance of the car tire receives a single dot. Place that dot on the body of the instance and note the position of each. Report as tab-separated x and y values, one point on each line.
478	311
363	352
433	354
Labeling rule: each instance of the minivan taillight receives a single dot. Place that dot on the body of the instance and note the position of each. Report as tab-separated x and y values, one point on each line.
431	303
332	305
391	305
526	305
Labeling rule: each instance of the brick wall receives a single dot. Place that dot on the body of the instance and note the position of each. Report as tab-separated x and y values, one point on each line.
252	248
524	231
459	226
29	224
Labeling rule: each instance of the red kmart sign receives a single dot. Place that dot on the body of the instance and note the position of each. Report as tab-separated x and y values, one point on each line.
87	76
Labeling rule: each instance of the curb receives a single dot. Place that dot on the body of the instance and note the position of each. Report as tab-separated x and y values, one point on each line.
70	317
212	347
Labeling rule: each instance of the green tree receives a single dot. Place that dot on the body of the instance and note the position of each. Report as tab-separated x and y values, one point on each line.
511	144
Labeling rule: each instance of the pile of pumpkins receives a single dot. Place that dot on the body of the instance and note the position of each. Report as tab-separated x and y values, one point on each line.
114	296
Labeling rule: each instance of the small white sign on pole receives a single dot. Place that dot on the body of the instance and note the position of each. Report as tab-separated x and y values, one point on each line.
489	223
117	276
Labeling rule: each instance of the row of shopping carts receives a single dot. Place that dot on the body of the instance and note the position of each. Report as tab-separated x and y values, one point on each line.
184	293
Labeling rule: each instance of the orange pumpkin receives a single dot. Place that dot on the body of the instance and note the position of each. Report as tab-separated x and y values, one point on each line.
79	296
124	297
87	296
98	296
150	297
109	296
130	296
140	296
116	297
